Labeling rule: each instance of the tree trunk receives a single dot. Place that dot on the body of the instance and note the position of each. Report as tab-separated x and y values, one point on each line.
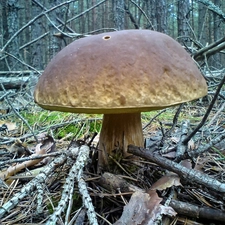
183	16
161	16
157	12
217	34
152	14
4	31
119	14
11	26
38	48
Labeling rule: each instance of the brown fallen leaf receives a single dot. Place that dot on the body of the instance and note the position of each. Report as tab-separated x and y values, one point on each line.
19	148
12	170
41	148
167	181
144	209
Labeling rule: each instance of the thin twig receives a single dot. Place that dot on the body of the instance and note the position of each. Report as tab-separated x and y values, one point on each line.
188	138
5	94
19	160
15	111
76	172
191	175
42	177
153	118
143	13
181	147
85	11
23	63
175	120
32	21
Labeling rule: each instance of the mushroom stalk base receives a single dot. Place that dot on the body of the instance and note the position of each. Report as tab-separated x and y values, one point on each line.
118	131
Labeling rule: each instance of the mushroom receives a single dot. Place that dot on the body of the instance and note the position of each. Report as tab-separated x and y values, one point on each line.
120	74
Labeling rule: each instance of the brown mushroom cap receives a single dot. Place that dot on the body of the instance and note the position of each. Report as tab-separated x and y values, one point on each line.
120	72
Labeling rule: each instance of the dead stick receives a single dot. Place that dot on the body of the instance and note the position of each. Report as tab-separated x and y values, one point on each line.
190	175
188	138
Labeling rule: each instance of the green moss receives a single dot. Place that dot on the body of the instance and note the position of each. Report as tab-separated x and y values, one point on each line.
168	115
62	124
51	205
77	203
70	125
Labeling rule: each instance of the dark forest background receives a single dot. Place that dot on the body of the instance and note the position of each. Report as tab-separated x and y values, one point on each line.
33	31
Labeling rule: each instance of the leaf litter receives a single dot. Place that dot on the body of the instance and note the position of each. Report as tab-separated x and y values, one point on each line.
46	182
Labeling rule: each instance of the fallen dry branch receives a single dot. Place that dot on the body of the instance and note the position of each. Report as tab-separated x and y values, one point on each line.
17	113
215	97
14	82
190	175
76	172
43	177
210	50
77	158
29	158
194	211
12	170
214	8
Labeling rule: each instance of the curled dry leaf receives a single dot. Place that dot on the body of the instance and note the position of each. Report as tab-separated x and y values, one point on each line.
144	209
95	140
167	181
19	148
156	209
41	148
12	170
49	144
170	155
191	145
136	211
186	163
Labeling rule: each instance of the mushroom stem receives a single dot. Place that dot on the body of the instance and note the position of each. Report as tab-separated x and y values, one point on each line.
118	131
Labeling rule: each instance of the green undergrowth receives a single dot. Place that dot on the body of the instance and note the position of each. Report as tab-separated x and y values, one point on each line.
62	125
77	203
72	125
167	116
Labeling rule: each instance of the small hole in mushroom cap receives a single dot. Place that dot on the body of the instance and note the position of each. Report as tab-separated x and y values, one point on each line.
107	37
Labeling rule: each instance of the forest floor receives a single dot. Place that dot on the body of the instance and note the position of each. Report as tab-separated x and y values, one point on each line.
46	177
